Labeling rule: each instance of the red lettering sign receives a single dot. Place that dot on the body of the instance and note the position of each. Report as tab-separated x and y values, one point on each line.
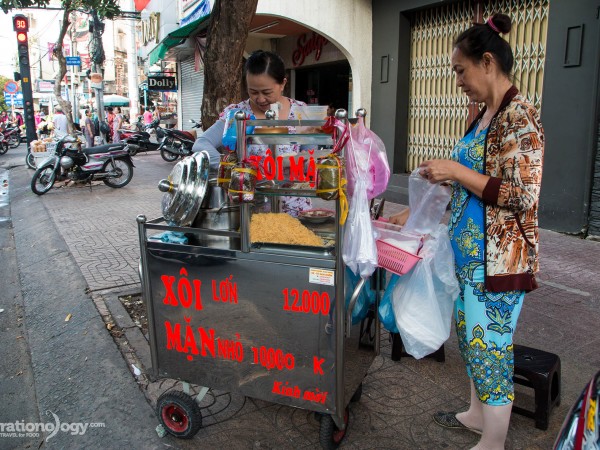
305	47
309	302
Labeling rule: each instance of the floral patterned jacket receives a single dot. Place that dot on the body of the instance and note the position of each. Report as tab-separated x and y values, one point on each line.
514	153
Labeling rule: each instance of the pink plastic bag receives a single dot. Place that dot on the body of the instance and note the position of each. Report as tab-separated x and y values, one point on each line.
366	156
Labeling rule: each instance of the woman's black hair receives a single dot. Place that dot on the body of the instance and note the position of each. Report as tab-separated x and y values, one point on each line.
261	61
485	37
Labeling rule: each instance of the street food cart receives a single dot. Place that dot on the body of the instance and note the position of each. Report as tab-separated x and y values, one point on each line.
271	321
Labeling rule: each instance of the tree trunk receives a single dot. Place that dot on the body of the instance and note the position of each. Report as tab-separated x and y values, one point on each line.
223	60
62	66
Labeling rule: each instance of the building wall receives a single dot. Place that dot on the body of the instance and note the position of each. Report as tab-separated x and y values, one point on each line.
346	24
569	111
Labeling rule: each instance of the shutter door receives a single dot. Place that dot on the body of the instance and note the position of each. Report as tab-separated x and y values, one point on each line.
192	89
438	110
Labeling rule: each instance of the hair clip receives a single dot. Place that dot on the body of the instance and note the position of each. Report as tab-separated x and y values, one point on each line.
491	24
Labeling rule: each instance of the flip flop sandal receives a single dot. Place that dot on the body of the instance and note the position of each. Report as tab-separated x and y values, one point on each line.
449	420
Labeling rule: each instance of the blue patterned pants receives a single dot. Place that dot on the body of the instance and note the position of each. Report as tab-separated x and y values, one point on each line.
485	323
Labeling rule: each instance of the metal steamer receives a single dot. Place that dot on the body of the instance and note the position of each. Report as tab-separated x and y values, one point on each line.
267	320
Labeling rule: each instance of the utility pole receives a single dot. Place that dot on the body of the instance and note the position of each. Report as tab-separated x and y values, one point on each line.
132	76
97	61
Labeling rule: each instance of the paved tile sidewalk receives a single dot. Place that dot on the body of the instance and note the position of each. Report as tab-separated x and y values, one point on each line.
562	316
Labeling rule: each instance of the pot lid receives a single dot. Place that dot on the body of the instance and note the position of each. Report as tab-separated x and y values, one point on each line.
185	189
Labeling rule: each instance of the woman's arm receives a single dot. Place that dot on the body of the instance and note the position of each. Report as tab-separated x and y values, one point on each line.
210	141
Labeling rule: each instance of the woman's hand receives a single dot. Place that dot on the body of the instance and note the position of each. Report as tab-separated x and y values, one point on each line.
401	217
438	170
442	170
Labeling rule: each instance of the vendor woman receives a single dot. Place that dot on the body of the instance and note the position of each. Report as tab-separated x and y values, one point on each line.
265	79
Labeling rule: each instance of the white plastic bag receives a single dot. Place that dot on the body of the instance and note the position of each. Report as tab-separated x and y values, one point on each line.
423	299
428	202
359	250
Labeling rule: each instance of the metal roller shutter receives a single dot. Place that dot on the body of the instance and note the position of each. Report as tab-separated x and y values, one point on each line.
192	89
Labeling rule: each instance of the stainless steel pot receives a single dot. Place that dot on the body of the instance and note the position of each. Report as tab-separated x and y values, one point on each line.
223	218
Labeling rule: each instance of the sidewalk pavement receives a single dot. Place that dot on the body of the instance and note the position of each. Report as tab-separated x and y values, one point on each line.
100	240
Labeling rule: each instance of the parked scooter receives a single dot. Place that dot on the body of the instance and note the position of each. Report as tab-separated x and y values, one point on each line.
110	163
12	134
176	143
3	144
144	139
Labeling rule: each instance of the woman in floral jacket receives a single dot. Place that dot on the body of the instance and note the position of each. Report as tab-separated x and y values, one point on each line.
496	170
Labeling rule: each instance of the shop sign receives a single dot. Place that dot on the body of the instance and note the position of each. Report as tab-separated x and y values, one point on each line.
150	28
162	84
306	45
45	85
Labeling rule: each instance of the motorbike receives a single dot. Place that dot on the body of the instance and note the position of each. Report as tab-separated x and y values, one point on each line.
3	144
145	138
12	134
110	163
176	143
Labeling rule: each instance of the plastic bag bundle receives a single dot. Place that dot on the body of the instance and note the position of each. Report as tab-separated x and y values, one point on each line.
365	299
386	309
423	299
369	160
359	250
226	165
243	183
428	202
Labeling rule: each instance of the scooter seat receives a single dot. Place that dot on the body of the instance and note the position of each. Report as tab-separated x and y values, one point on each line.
103	148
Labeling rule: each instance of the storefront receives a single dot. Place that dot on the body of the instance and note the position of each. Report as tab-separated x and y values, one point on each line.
419	113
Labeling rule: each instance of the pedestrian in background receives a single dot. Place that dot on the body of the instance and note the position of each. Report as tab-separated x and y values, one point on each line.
110	118
60	122
496	170
88	128
147	116
117	125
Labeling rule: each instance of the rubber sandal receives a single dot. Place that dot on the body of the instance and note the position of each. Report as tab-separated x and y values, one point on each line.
449	420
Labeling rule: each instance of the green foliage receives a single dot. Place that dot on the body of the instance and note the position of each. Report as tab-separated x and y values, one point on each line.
106	8
3	105
8	5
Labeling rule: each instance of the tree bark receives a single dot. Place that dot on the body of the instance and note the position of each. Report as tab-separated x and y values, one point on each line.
223	60
62	66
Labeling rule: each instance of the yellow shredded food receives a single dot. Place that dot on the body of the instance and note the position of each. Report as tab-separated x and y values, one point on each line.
281	228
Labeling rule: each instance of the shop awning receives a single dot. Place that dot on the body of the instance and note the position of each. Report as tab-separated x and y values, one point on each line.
176	37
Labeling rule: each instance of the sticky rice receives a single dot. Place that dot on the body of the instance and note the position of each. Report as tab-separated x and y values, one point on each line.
281	228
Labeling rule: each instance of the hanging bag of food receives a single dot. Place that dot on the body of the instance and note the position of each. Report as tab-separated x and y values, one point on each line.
243	182
331	182
226	165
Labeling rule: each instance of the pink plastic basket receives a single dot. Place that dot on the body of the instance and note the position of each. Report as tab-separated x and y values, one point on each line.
394	259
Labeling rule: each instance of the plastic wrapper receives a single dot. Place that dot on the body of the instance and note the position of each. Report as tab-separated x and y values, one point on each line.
242	185
226	165
428	202
423	299
369	160
359	250
229	138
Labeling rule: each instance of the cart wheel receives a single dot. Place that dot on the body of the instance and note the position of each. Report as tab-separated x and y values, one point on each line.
330	436
179	414
357	394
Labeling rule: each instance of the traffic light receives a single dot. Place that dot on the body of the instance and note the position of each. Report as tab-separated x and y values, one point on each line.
21	26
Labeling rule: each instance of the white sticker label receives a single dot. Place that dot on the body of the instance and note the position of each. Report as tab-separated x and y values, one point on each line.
321	276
